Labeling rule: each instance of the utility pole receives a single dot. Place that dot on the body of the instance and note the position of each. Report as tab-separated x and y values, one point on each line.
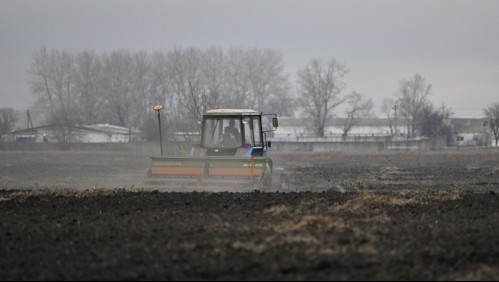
30	122
158	108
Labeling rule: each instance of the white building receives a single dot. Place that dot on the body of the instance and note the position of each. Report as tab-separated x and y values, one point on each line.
470	132
290	128
464	131
98	133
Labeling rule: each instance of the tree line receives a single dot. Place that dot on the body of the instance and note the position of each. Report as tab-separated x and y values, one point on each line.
121	87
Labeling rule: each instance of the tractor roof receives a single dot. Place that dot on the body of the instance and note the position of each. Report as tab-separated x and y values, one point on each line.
232	112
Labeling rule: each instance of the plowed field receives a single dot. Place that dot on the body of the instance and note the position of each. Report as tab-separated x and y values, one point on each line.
347	216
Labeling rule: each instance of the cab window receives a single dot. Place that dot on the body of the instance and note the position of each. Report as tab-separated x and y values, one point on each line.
256	130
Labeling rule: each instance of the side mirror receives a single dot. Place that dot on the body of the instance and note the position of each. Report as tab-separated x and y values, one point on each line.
274	122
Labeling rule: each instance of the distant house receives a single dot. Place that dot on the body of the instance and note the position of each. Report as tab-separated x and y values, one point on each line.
470	132
98	133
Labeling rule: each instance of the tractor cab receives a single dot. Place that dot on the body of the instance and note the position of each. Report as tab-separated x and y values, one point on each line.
232	132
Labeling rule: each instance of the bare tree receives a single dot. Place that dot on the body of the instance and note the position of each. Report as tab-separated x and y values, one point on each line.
388	109
319	86
212	68
255	79
358	106
8	119
413	96
492	113
141	87
445	111
160	83
89	86
187	83
119	93
433	122
53	82
237	85
265	71
282	103
159	93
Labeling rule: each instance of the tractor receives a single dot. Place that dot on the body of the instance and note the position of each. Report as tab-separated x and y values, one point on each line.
232	156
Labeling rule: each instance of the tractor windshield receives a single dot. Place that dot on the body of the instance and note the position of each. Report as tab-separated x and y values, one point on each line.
222	133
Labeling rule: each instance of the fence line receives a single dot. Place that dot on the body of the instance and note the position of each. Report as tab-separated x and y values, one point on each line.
278	144
368	144
353	138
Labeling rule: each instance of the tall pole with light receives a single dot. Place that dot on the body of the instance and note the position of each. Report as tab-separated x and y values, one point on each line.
158	108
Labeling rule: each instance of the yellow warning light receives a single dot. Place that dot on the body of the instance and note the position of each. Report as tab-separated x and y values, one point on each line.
158	107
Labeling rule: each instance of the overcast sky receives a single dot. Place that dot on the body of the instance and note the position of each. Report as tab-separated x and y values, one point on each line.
453	44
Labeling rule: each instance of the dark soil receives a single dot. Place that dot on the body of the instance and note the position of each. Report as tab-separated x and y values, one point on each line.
375	216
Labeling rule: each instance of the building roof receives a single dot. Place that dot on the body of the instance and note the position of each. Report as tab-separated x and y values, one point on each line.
283	121
231	112
104	128
470	125
108	128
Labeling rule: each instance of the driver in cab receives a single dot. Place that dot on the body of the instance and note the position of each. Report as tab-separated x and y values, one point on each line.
235	136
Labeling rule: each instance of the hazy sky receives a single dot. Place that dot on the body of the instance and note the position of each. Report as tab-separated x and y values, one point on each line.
453	44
